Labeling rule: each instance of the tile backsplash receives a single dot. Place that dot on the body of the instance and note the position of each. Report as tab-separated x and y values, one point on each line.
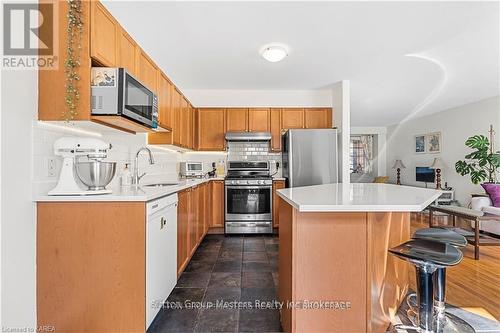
253	151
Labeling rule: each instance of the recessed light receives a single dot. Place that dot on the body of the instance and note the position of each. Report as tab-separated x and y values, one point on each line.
274	52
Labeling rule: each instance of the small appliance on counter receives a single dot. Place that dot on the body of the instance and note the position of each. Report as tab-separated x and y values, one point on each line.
116	92
192	170
92	173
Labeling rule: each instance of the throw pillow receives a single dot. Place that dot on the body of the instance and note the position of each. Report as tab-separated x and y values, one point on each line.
493	191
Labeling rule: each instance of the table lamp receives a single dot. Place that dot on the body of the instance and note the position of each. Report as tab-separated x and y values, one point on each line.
437	165
398	165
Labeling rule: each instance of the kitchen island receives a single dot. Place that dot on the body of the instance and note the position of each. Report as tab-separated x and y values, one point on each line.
335	274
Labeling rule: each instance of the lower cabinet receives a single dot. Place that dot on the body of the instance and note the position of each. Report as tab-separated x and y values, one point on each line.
277	185
199	206
217	204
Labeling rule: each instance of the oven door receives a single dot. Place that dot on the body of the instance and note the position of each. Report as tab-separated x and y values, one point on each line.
137	101
248	203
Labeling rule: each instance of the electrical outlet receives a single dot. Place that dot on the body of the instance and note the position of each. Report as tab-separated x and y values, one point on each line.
51	167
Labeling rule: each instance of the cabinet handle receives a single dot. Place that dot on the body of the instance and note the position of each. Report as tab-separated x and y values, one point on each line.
154	206
162	223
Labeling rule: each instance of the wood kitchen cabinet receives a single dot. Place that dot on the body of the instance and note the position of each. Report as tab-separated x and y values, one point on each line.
318	118
127	52
183	122
202	207
236	120
277	185
211	129
91	266
176	108
275	126
292	118
164	101
217	207
194	219
259	120
147	72
104	29
183	209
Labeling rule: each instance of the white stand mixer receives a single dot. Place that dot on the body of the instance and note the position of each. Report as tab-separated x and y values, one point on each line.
70	148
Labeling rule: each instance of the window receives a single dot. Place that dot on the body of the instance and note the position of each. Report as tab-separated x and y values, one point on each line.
361	153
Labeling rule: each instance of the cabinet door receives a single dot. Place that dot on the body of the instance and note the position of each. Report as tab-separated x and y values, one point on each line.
259	120
176	107
127	52
211	129
147	71
190	126
193	220
275	124
103	35
236	120
208	207
200	232
292	118
182	230
318	118
184	121
164	101
218	203
277	184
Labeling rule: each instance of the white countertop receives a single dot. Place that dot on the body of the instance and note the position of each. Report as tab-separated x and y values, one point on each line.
143	193
359	197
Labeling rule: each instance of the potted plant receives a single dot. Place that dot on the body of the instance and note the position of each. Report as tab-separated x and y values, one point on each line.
482	164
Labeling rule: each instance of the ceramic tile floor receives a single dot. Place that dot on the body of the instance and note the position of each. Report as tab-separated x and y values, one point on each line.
225	273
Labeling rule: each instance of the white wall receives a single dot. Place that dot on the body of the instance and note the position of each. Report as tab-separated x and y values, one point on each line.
259	98
341	103
18	223
455	125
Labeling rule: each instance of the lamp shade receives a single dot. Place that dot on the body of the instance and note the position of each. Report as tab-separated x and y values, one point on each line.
437	164
398	164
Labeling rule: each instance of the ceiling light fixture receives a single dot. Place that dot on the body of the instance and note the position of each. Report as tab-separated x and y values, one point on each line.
274	52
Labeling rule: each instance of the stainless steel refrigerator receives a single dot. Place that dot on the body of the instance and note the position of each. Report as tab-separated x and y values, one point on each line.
310	157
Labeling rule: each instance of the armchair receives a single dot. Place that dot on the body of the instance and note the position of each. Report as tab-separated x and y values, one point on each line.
484	204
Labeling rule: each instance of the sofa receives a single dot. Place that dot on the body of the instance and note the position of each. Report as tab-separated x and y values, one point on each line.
485	205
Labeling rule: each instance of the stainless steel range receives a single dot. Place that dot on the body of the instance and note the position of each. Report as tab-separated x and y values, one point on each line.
249	192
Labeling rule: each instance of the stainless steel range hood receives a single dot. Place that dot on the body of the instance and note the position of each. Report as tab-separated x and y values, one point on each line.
249	136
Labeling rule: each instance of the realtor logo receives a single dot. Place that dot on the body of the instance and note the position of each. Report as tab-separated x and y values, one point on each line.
29	35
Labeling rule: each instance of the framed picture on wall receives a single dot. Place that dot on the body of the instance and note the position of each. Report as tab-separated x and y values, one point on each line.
434	142
420	144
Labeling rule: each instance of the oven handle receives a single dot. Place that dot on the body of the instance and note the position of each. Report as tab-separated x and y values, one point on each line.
250	187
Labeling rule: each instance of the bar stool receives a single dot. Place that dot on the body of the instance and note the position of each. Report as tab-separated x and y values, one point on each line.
428	256
445	322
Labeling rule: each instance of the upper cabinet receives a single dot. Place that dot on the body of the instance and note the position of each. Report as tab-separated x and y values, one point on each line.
127	52
292	118
318	118
103	37
259	120
236	120
164	101
275	125
147	71
211	128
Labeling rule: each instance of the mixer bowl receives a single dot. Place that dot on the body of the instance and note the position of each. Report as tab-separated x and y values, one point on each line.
94	174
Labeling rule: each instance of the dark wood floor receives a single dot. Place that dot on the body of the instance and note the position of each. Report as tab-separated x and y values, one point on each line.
224	274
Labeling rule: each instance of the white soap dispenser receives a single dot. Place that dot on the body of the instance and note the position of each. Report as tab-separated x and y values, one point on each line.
126	177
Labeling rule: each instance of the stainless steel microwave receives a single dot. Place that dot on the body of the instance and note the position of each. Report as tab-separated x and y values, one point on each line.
117	92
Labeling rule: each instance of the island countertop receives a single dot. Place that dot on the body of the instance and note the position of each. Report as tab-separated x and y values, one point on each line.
359	197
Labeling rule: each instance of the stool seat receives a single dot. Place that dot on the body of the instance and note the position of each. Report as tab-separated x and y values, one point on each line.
442	235
428	252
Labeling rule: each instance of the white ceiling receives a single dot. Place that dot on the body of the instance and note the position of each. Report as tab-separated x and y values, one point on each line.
215	45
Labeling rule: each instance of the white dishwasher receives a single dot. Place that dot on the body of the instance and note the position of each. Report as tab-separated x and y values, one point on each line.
161	253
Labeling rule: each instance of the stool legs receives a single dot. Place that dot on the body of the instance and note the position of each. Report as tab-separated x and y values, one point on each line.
425	297
440	291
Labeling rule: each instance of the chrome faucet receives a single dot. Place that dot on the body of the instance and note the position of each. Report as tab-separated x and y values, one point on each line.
137	178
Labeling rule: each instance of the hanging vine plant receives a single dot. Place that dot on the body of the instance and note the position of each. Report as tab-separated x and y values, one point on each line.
74	32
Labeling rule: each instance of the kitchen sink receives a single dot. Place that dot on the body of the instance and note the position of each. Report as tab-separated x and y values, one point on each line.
161	184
